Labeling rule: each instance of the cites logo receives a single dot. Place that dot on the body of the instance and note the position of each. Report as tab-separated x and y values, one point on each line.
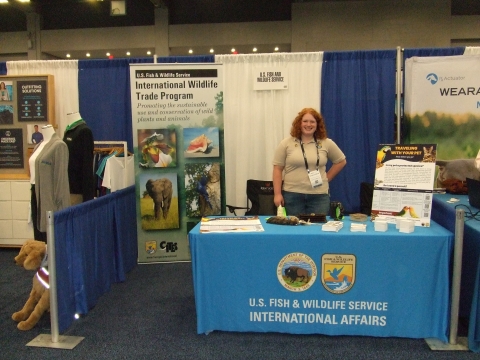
168	246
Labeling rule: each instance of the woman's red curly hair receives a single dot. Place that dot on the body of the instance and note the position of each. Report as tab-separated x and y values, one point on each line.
296	130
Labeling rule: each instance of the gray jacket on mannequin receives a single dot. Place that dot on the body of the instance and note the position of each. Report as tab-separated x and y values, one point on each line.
51	180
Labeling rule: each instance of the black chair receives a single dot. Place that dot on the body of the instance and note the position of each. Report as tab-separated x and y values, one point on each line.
366	196
259	199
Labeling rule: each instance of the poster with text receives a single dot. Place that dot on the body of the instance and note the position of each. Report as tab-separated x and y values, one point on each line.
177	122
32	100
11	149
403	186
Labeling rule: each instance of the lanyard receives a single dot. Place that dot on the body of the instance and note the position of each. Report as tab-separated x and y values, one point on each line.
305	156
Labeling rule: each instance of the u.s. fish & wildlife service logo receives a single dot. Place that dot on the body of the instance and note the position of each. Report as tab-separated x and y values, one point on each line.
151	247
296	272
338	272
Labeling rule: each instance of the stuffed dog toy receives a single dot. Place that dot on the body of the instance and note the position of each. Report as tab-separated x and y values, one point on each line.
32	256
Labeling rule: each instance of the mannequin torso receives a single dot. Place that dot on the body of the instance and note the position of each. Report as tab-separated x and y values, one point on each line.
79	139
72	118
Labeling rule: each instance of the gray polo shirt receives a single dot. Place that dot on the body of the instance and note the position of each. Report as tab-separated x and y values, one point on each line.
295	178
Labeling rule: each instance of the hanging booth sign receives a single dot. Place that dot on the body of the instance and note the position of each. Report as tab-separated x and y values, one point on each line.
404	179
177	114
274	78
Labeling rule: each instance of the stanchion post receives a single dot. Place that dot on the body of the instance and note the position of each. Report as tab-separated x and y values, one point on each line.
55	340
454	343
398	107
52	276
457	274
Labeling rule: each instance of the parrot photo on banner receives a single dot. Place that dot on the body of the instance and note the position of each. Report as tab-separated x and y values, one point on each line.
202	189
381	154
402	212
413	214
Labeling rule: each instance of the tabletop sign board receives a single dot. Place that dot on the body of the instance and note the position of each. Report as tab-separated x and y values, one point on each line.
274	78
27	103
404	179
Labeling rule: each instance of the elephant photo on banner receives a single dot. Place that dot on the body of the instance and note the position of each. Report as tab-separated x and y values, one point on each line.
159	201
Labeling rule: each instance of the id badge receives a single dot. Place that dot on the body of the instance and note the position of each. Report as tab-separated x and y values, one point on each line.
315	178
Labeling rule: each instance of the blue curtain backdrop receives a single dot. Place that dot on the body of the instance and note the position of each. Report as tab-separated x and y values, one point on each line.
104	94
90	258
358	104
3	68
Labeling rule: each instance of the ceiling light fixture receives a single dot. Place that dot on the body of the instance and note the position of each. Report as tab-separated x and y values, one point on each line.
276	48
190	51
88	54
233	50
149	52
128	53
108	54
212	51
68	55
254	49
118	8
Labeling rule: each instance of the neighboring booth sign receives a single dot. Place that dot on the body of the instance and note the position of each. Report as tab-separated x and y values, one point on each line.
442	102
274	78
403	186
27	103
177	115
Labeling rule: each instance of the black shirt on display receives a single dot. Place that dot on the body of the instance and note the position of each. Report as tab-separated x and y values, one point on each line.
79	139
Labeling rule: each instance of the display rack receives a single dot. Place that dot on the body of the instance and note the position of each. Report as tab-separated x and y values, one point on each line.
125	153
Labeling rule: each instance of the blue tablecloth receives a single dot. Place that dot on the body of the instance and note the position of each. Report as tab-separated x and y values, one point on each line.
400	283
444	214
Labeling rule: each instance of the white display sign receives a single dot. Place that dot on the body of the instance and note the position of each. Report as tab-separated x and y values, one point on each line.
274	78
445	85
403	187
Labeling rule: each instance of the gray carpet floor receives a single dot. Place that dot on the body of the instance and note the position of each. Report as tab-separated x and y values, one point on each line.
152	316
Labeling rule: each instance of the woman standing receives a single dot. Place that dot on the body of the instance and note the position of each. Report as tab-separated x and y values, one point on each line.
301	160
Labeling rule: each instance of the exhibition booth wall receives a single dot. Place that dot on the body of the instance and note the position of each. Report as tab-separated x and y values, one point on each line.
354	90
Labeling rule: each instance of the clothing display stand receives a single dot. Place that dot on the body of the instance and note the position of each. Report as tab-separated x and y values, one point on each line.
125	152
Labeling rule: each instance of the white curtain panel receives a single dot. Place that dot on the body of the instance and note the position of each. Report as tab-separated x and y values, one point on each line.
256	121
65	73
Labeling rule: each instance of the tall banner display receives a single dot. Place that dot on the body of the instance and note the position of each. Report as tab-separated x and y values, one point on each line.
177	115
442	104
